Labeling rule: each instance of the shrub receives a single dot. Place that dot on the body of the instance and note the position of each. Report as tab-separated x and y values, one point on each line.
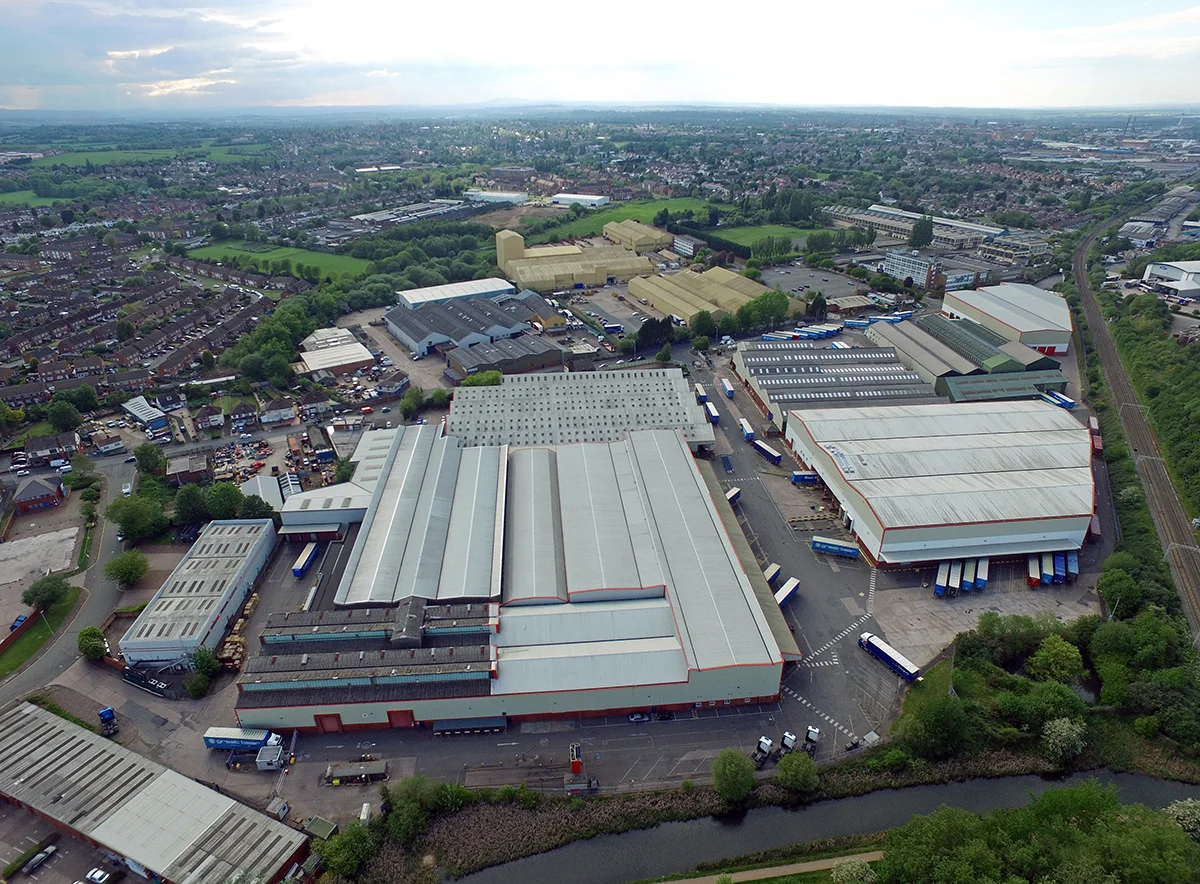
1146	726
798	772
197	685
91	642
896	760
206	662
938	729
1063	739
46	592
733	775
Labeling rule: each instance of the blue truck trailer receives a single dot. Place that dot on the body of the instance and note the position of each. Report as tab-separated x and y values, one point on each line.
713	414
846	550
804	477
733	494
767	451
727	388
701	396
245	739
942	580
304	561
955	583
981	574
1047	569
786	591
1072	566
747	430
1060	567
771	573
968	578
881	650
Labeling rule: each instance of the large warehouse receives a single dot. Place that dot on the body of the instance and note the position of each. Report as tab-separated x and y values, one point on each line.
472	288
685	294
159	824
550	268
204	594
550	409
334	350
638	236
924	483
531	582
1017	312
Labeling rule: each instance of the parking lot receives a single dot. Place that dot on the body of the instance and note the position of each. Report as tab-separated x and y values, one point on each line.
71	861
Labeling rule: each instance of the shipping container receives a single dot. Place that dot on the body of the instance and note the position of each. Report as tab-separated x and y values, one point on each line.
785	592
981	574
747	430
771	573
1064	400
1047	569
804	477
1094	425
942	580
713	414
1060	567
842	548
304	561
727	388
1072	565
968	578
701	396
955	582
1097	446
733	494
881	650
1035	570
767	451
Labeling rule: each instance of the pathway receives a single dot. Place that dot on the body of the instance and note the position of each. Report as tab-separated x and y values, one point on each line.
814	865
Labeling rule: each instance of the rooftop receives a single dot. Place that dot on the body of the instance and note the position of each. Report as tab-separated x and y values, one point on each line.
470	288
336	356
1025	308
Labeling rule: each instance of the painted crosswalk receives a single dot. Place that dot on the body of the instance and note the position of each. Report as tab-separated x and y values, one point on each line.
832	661
871	592
810	659
789	692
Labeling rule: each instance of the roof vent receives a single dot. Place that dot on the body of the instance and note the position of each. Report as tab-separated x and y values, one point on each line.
304	659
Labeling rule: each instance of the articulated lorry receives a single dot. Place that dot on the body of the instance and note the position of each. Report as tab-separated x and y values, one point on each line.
240	738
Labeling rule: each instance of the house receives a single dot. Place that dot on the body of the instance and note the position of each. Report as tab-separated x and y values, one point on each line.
209	417
243	416
108	444
49	372
87	366
169	401
314	403
278	411
20	395
392	386
39	493
43	449
189	468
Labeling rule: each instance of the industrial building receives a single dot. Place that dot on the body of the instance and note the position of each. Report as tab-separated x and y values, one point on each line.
637	236
510	356
927	272
503	583
683	295
159	824
998	387
472	288
515	198
1032	316
459	323
783	375
552	409
205	593
1181	277
925	483
334	350
552	268
948	233
587	200
144	413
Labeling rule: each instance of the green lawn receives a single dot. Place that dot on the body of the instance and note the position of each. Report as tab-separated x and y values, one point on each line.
41	428
227	403
34	637
935	682
220	154
747	236
592	223
27	197
329	264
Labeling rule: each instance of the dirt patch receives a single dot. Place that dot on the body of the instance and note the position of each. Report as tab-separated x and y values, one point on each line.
511	217
85	708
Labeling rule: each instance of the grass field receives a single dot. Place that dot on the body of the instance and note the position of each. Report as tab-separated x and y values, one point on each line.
592	223
34	637
934	683
747	236
27	197
42	428
334	265
107	157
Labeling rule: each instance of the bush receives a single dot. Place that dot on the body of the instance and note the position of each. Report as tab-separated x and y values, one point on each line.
797	772
1056	659
1146	726
197	685
1063	739
345	853
46	592
896	760
937	729
733	775
206	662
91	642
127	568
89	495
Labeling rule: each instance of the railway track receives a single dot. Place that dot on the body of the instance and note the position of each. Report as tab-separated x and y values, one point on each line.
1175	531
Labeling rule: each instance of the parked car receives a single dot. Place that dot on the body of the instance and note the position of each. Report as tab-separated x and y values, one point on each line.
98	876
21	473
20	619
40	858
131	459
638	717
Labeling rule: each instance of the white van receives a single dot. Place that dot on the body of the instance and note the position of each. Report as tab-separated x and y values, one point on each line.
62	471
126	489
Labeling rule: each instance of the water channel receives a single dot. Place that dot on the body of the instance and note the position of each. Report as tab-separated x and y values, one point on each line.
678	847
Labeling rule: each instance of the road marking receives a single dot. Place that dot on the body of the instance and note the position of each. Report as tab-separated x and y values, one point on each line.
823	715
871	592
647	776
509	744
811	659
631	767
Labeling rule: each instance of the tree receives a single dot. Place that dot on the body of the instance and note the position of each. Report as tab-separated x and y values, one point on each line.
662	218
733	775
483	379
1063	739
197	685
412	403
82	465
700	343
110	240
190	506
207	360
254	507
343	469
345	853
703	324
127	568
664	355
853	871
797	772
63	416
150	459
439	398
1185	813
922	232
139	517
938	728
223	500
752	273
91	643
46	592
206	662
1056	660
817	307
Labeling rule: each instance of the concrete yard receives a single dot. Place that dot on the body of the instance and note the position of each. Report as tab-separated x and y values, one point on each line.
24	561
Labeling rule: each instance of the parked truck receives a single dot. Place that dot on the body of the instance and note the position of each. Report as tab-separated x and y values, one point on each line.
727	388
812	736
762	752
108	721
786	744
239	738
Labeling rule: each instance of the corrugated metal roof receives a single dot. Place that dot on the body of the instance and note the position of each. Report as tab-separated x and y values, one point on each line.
475	533
534	566
470	288
589	665
596	540
1025	308
592	622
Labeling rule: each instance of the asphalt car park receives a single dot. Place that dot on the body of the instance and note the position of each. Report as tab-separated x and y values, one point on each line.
72	859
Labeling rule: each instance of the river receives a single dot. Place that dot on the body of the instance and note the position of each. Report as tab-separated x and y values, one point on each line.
678	847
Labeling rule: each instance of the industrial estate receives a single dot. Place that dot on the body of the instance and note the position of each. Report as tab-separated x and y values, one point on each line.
573	476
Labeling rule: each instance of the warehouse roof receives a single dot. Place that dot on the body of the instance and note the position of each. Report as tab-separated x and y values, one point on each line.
1024	308
550	409
472	288
481	357
213	568
541	267
141	410
331	358
1012	385
172	825
920	347
927	465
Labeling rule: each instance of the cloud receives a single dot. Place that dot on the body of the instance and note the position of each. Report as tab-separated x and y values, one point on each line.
157	53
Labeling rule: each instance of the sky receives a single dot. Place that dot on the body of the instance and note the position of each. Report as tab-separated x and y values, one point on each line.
165	54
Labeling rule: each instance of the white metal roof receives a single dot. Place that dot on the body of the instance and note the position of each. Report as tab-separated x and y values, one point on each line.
967	462
589	665
172	825
329	358
534	570
1025	308
475	537
594	622
472	288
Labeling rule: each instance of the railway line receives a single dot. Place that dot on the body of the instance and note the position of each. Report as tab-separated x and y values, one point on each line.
1175	531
